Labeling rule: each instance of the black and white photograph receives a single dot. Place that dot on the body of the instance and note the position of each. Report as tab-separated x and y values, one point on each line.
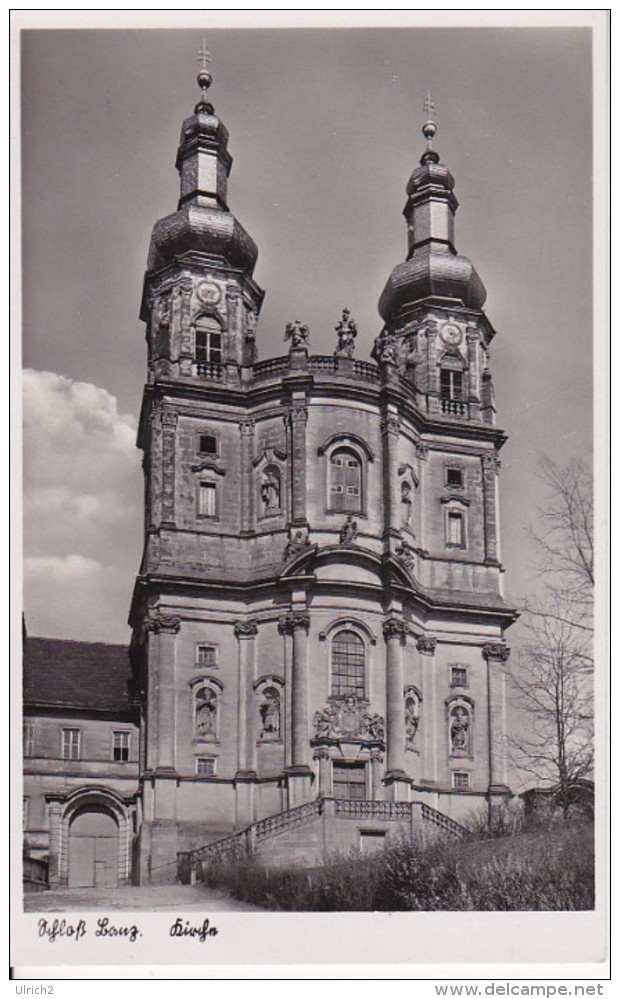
313	406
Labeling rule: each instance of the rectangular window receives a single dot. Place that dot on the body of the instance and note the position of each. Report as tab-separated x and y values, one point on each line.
349	780
205	766
455	529
71	743
206	655
337	461
353	491
337	489
451	384
458	676
454	478
207	496
120	746
208	444
460	781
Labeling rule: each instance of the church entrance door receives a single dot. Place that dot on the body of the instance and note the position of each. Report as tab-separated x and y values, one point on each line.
350	781
93	849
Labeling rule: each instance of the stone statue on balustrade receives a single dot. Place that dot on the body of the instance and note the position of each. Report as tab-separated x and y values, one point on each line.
297	333
348	531
347	332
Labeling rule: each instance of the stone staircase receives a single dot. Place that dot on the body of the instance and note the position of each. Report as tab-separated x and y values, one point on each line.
305	835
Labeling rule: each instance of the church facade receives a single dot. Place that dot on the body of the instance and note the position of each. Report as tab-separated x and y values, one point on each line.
318	615
319	609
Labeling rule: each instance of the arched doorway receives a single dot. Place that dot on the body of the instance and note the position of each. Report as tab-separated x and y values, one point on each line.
93	848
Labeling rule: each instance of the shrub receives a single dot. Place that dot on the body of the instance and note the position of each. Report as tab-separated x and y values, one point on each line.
549	869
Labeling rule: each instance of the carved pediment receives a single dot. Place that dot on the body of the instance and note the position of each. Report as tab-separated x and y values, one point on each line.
348	719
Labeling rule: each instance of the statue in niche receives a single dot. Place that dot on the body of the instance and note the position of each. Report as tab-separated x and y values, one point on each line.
297	333
459	730
269	710
206	713
348	531
412	719
270	490
347	332
405	502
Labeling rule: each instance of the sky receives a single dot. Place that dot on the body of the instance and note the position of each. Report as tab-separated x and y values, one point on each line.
324	132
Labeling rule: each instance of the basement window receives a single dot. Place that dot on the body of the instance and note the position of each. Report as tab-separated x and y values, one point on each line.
460	781
205	766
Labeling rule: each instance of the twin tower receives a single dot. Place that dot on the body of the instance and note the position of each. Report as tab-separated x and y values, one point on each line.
318	614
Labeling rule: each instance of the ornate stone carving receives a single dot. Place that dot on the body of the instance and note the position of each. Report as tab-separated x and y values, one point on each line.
269	710
297	333
385	349
394	628
406	554
169	420
292	620
321	753
347	718
460	737
299	413
495	651
158	622
270	490
390	424
421	451
246	427
246	628
347	332
298	542
426	645
348	531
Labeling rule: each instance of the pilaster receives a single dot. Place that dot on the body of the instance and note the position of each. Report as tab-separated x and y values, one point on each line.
496	656
168	459
163	629
426	647
394	633
299	773
246	429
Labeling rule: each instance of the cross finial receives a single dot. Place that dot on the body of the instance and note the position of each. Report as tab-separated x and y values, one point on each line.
204	56
204	76
429	128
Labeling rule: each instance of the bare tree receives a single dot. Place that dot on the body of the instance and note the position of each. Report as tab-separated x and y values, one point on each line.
552	668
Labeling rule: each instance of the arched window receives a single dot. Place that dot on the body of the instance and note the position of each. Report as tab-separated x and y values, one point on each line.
345	481
270	490
348	665
460	735
206	714
208	341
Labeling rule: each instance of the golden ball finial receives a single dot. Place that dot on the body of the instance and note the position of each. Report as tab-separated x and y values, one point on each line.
429	129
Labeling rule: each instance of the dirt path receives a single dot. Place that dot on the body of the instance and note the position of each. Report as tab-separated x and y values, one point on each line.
162	898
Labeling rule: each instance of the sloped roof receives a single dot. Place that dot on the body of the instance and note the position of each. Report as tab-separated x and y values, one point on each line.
92	676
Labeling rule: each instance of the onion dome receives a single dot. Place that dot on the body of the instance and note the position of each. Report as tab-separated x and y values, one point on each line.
203	221
433	268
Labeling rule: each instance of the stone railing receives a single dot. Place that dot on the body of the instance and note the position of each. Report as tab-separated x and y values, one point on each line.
272	366
275	824
443	822
192	865
364	369
451	407
210	370
390	810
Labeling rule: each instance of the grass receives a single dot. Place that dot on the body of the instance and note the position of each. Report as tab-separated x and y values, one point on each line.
541	869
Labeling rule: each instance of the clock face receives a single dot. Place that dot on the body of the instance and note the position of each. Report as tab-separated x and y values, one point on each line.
451	334
208	293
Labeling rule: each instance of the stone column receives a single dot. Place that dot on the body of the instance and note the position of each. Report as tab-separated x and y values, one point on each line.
321	753
390	426
298	417
246	429
394	632
245	633
55	843
489	497
426	647
163	628
376	768
168	460
299	773
496	656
